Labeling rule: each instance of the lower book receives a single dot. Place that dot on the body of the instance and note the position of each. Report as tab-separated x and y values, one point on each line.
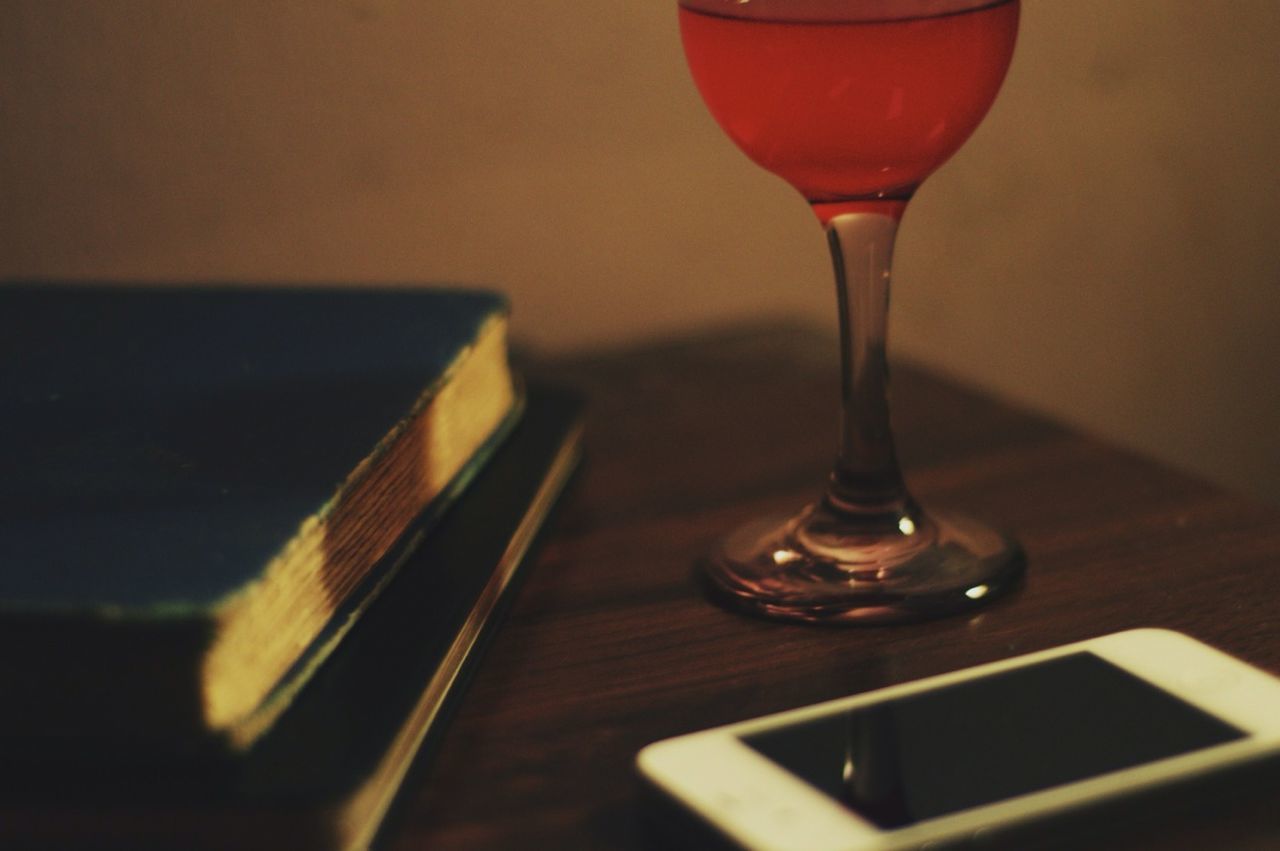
325	776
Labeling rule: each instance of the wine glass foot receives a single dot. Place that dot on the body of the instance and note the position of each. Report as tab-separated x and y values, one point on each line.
808	568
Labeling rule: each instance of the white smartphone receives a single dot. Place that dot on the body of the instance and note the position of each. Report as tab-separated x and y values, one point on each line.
952	756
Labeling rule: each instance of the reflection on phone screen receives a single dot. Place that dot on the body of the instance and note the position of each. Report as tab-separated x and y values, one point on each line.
940	751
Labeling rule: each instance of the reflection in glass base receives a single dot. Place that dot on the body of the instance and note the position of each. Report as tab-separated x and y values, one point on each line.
819	567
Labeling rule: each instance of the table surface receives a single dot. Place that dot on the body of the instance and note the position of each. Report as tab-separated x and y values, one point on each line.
610	644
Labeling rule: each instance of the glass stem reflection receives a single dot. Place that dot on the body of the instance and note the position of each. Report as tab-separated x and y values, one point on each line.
866	485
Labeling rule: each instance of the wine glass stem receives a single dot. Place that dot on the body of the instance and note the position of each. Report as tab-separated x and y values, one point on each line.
866	481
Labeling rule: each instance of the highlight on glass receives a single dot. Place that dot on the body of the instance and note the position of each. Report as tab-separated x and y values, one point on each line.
854	103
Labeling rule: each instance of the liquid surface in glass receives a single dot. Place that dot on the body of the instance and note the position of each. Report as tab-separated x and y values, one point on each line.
849	109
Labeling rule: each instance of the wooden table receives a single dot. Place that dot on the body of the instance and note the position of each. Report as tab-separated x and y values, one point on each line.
610	644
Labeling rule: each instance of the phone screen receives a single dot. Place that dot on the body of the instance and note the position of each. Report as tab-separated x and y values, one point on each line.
940	751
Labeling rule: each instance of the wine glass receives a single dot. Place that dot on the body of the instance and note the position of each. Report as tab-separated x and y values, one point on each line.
854	103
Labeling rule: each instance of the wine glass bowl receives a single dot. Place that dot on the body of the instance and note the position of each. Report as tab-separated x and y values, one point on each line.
854	103
853	99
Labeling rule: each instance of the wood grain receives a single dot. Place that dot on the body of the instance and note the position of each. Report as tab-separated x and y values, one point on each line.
611	645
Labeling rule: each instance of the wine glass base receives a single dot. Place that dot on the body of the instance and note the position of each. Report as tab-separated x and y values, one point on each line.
931	566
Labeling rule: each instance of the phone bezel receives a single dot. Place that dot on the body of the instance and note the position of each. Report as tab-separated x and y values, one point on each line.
763	807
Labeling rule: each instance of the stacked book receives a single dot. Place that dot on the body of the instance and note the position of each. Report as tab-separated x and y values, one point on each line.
251	540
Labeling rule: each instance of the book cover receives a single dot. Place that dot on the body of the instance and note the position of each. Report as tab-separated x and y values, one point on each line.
202	487
326	774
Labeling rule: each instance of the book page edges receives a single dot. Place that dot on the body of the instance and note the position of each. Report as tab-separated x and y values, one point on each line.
263	630
359	818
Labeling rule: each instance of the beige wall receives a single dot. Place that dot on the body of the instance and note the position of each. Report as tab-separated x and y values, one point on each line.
1104	249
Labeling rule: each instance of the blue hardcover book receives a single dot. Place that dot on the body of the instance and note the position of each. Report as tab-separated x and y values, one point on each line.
201	489
328	771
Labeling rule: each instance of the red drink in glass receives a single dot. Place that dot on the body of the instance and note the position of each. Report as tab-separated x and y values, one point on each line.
850	110
855	102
